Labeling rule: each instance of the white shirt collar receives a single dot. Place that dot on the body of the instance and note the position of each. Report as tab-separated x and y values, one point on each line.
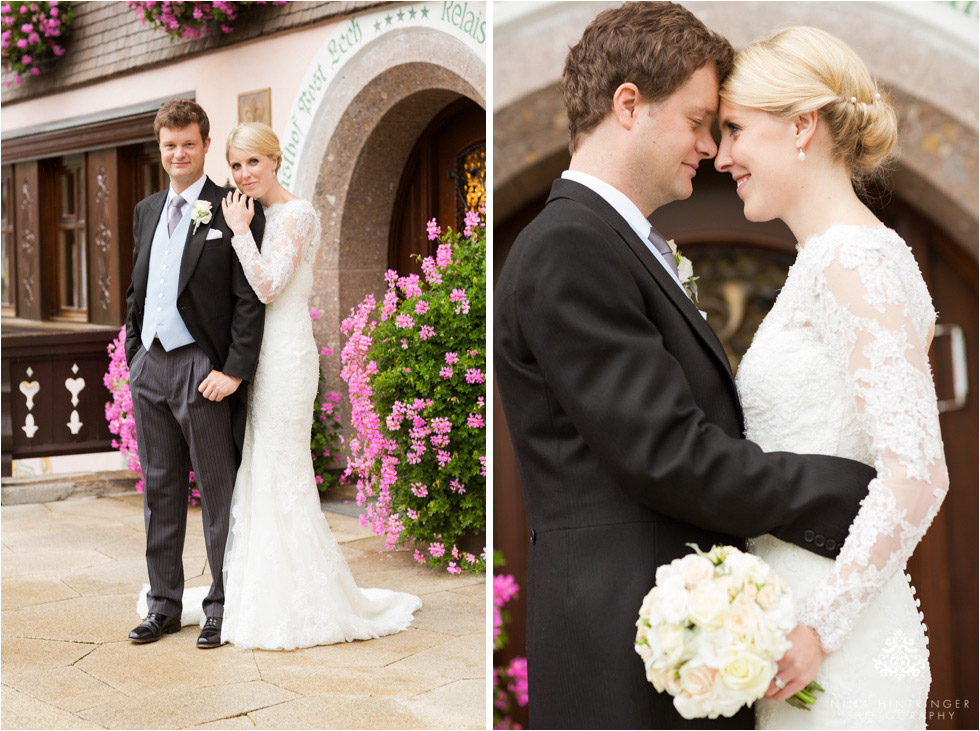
614	197
190	194
625	208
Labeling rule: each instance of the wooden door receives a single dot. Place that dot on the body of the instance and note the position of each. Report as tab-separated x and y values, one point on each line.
444	177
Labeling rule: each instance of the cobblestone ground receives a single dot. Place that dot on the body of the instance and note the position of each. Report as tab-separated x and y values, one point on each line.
70	574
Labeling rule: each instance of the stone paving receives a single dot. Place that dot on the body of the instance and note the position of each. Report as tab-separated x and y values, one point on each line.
70	574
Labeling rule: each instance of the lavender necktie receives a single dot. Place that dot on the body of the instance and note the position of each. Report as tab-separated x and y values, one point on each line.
175	215
660	243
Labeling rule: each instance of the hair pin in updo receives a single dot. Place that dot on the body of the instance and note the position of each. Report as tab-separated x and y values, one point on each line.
853	99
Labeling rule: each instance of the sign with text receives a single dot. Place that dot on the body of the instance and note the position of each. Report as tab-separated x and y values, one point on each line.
464	21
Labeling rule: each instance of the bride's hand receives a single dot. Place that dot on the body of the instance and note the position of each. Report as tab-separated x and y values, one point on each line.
799	665
238	210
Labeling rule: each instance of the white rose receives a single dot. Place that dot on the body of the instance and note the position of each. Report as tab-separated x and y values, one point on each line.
729	584
697	680
726	702
690	708
696	569
744	671
768	595
708	605
672	684
658	677
745	566
673	643
649	602
644	651
201	213
743	622
673	604
685	270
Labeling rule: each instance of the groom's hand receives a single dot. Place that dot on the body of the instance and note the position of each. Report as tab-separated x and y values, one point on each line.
218	385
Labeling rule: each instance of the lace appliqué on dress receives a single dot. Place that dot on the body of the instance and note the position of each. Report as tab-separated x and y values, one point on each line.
838	367
291	236
872	307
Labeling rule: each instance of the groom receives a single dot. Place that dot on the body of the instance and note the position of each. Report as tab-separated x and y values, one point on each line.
193	331
619	397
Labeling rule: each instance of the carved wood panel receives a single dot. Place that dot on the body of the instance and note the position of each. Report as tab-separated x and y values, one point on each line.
103	237
27	209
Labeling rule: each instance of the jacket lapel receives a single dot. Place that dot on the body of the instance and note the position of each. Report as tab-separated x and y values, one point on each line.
580	193
194	244
148	227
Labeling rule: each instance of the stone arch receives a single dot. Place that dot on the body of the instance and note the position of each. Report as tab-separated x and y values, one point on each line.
359	140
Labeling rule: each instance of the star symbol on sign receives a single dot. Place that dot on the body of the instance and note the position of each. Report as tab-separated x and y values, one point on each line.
425	12
387	20
377	26
412	13
401	16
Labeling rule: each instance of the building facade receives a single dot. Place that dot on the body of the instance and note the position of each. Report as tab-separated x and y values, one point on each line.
926	55
380	109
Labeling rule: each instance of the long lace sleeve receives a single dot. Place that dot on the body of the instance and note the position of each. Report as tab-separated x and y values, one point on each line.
270	270
873	307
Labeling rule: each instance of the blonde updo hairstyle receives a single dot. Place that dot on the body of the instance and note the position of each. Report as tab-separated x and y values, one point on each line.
255	137
801	69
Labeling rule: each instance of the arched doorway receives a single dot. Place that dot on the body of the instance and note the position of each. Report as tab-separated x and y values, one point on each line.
351	141
445	176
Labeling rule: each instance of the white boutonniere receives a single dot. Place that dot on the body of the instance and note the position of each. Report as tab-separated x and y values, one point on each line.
201	213
685	271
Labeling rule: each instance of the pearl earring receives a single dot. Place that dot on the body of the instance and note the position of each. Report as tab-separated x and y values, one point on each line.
802	155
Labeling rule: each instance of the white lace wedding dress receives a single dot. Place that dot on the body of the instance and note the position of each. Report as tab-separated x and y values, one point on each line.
286	582
839	367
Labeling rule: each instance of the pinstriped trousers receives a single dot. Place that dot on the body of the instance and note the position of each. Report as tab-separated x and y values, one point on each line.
177	430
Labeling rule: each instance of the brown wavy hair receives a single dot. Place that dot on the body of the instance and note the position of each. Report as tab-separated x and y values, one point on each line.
655	45
179	113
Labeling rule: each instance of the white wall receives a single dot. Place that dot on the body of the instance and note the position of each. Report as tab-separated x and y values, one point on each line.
217	78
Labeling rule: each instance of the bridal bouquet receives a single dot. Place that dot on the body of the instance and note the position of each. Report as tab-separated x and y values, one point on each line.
712	630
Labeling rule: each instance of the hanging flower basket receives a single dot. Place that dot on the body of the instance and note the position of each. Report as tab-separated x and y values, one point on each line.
32	32
192	20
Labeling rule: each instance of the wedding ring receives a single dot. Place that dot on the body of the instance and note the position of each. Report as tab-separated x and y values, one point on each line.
779	682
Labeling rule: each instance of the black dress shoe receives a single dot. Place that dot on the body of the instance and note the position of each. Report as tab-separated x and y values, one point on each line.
154	627
211	634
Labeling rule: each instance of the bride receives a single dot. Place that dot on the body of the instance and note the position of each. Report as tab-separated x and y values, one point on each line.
286	582
839	366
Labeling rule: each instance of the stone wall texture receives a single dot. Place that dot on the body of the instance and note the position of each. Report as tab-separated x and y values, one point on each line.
106	39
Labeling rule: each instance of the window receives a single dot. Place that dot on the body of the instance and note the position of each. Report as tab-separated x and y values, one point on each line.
68	198
150	175
471	181
72	270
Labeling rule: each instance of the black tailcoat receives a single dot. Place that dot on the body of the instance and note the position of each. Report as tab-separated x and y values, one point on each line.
214	299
